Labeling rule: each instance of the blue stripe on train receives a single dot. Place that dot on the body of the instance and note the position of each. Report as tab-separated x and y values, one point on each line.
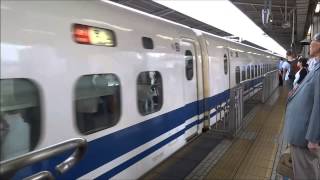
107	148
140	156
145	153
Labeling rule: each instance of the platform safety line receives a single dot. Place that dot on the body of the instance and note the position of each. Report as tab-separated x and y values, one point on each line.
245	153
274	107
281	148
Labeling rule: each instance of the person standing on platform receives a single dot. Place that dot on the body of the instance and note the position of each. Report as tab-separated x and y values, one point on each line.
302	121
286	67
301	74
311	63
289	69
280	72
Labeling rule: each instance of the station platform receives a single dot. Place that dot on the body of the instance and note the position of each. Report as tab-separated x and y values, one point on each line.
251	154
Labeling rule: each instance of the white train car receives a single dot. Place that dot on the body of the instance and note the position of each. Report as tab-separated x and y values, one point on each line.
228	63
133	85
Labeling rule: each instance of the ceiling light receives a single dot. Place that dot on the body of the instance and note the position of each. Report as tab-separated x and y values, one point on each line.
233	21
317	8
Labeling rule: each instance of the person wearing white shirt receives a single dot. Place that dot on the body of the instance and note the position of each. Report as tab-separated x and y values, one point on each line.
285	71
289	69
301	74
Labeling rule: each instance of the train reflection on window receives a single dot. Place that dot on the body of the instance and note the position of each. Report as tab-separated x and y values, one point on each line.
189	64
248	72
149	89
97	102
255	71
243	73
237	75
20	117
252	71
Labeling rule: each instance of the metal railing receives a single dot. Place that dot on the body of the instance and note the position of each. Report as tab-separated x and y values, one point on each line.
221	114
8	168
243	98
236	109
270	84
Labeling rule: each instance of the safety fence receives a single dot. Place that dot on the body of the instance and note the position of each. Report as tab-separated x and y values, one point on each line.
270	83
232	117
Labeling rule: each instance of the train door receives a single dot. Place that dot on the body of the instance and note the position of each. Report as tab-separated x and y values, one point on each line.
188	48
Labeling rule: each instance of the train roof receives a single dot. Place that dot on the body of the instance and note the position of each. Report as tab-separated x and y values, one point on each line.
184	26
238	43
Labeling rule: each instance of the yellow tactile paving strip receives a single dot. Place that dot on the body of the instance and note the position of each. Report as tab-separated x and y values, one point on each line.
254	158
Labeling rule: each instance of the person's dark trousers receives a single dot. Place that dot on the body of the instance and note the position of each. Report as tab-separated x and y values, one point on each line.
280	80
288	84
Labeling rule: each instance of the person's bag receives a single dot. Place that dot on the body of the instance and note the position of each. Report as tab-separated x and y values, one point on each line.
285	167
293	69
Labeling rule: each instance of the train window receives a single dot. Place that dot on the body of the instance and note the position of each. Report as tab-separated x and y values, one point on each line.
97	102
225	64
237	75
255	71
20	117
147	43
252	72
149	92
259	70
243	73
248	72
189	64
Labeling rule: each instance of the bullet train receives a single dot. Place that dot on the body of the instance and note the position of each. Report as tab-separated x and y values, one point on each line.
135	87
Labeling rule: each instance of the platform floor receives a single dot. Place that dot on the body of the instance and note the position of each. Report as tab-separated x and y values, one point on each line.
252	154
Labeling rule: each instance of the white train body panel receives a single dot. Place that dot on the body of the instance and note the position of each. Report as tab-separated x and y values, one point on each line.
37	44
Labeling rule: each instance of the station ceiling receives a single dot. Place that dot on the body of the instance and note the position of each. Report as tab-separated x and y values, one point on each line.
252	8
